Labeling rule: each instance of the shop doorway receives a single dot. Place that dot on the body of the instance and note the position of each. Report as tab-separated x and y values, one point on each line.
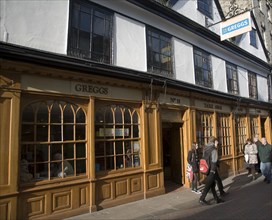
171	136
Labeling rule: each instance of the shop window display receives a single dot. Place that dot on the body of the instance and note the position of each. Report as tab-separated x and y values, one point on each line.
117	138
53	141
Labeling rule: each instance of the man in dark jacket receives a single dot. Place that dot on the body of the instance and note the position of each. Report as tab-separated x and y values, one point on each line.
211	156
265	154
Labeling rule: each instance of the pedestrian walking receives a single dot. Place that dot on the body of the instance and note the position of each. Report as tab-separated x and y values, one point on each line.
193	160
251	152
265	153
211	156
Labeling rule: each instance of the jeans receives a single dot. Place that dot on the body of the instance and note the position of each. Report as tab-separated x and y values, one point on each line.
209	185
266	170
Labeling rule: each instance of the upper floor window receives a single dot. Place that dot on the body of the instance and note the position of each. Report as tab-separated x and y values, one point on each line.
53	141
232	79
203	72
252	85
117	132
90	32
159	52
253	38
205	6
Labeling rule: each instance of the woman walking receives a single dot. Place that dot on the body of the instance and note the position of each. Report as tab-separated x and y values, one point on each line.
251	152
193	160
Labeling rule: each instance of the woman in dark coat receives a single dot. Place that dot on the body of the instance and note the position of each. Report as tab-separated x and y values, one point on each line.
193	160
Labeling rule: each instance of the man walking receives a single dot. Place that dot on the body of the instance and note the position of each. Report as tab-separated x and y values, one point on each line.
265	154
211	156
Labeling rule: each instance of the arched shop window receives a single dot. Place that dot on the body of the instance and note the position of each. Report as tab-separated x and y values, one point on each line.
117	138
53	141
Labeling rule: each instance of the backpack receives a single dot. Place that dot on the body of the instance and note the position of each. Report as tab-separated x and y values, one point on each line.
203	166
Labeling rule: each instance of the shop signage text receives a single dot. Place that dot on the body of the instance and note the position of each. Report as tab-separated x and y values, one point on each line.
212	106
91	89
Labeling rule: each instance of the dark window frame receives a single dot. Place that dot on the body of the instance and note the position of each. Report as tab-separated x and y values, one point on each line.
252	85
205	7
232	78
253	38
203	68
87	39
159	58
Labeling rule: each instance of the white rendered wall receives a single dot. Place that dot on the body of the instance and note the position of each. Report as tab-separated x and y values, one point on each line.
130	44
39	24
262	88
184	65
243	82
219	74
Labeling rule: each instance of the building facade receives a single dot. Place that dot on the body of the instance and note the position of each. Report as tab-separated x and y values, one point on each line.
101	101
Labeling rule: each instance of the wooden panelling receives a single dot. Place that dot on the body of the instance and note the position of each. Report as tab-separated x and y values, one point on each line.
136	185
104	191
83	197
153	181
5	118
4	210
35	206
61	201
121	188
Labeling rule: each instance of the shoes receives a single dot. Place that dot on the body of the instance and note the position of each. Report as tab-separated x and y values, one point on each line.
219	201
196	191
203	202
265	179
223	193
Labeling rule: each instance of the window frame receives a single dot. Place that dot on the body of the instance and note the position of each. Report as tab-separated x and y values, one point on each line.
240	133
153	35
206	67
205	7
62	142
252	85
231	70
253	38
78	30
224	134
110	146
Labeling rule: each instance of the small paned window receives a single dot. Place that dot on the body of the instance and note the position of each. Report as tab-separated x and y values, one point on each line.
224	134
253	38
117	132
232	79
240	132
53	141
205	7
252	85
203	68
204	127
254	126
90	32
159	53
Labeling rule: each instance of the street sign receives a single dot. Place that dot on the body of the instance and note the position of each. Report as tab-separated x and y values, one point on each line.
235	26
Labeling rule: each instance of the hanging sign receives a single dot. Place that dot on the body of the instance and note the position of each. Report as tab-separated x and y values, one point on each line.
235	26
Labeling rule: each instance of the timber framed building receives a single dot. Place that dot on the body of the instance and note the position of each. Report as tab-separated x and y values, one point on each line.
98	117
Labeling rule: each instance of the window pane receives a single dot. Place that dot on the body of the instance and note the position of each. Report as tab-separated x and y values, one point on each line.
119	147
55	133
127	117
119	162
68	114
80	116
68	150
110	163
109	148
27	133
42	133
80	132
41	152
27	153
99	149
28	114
81	150
80	166
55	115
42	115
85	22
99	164
55	148
118	116
68	132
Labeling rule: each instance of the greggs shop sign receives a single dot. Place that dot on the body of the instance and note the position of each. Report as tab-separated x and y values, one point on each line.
98	90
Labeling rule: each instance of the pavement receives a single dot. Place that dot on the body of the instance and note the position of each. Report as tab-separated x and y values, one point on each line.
246	199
